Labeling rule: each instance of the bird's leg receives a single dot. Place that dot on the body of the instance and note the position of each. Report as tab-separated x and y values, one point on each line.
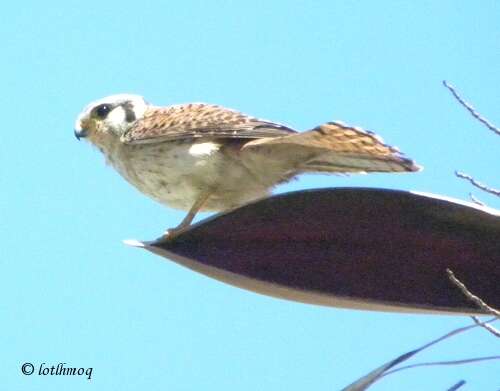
186	221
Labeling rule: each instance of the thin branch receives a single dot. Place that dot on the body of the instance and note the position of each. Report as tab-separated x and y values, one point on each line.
477	184
448	335
488	327
437	340
475	299
476	200
376	375
443	363
456	386
471	110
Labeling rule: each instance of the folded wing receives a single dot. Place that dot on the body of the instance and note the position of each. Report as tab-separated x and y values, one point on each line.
334	147
198	120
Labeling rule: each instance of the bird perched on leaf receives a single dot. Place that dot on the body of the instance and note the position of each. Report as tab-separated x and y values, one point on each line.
205	157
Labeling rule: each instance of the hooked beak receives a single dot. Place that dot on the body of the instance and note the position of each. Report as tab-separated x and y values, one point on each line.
80	128
79	133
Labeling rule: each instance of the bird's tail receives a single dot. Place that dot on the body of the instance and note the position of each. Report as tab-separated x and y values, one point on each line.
337	148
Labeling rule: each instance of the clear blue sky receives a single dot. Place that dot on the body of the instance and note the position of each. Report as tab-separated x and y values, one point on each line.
72	292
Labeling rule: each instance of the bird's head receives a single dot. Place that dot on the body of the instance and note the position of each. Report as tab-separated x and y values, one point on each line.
108	118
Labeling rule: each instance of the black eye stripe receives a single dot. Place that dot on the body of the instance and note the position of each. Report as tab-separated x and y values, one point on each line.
129	112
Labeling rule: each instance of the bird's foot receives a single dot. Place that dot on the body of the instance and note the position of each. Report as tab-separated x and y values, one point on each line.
172	233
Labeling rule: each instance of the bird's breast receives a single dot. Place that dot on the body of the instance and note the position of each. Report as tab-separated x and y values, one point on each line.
168	172
177	173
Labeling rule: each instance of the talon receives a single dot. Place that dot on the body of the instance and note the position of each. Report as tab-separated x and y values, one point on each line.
172	233
185	224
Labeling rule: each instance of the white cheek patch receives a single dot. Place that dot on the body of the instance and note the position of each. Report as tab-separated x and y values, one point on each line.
203	149
116	119
139	107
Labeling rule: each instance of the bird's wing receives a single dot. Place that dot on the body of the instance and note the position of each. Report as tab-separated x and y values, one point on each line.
197	120
335	147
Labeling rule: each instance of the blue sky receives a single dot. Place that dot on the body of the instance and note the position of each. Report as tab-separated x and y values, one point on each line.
73	292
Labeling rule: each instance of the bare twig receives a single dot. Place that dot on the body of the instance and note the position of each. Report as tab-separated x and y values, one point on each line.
442	363
476	300
471	110
376	375
477	184
488	327
446	336
476	200
456	386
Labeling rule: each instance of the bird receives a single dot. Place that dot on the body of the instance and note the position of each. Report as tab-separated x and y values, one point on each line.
205	157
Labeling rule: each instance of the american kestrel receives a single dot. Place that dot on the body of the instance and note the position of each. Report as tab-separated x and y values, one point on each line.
200	156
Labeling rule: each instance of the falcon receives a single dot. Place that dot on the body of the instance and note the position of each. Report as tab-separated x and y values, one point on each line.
203	157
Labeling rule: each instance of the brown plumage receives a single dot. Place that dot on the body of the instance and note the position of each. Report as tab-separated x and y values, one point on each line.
206	157
197	120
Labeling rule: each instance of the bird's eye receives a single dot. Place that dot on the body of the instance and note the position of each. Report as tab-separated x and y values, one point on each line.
102	111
